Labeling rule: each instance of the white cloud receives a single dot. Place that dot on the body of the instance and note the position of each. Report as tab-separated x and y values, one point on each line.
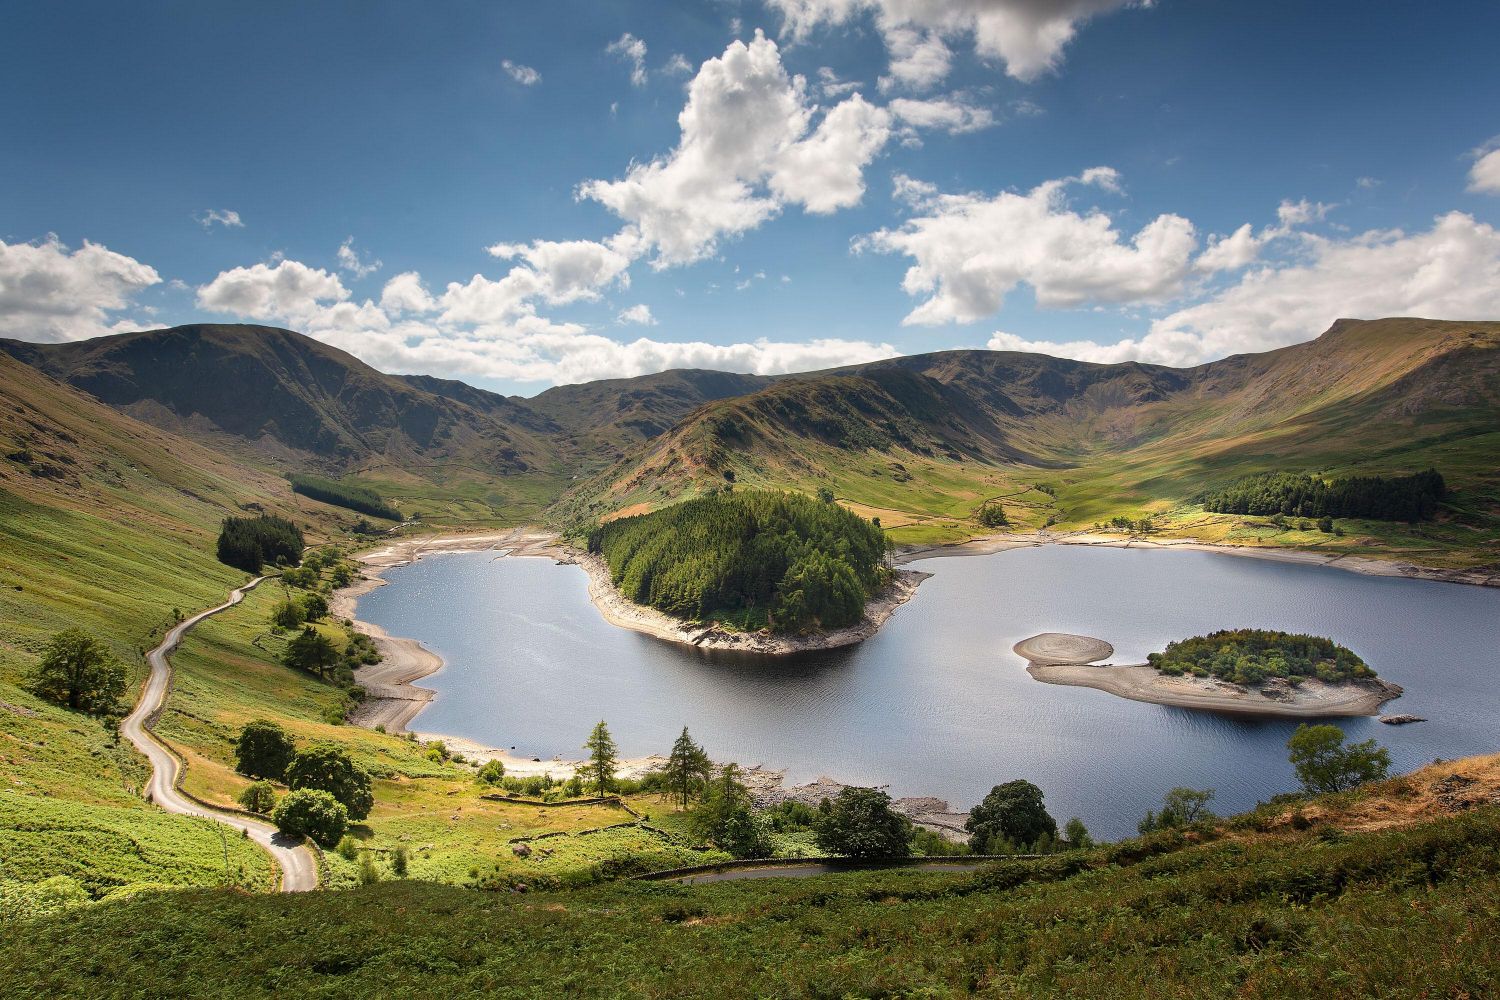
567	271
638	314
678	65
1484	175
1028	36
1229	253
633	51
225	217
830	86
970	250
289	290
747	147
954	114
349	260
49	294
1451	271
406	293
524	75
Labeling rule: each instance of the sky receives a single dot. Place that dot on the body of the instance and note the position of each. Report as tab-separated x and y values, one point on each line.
521	195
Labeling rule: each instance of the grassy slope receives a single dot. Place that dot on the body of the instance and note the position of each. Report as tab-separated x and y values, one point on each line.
1383	396
1254	908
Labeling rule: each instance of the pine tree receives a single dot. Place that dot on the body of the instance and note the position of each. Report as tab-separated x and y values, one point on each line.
602	757
687	766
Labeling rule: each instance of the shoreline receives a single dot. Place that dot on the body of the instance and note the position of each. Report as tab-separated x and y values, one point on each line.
1069	660
1364	565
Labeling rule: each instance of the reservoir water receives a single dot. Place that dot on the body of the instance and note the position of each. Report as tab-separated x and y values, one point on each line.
936	703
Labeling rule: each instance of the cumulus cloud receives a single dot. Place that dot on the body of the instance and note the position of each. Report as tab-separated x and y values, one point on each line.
51	294
225	217
1027	36
524	75
633	51
1451	271
405	293
289	290
748	146
637	314
970	250
1484	175
568	271
954	114
350	261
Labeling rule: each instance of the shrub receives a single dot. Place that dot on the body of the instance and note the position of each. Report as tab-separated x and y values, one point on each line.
307	812
400	858
258	797
491	773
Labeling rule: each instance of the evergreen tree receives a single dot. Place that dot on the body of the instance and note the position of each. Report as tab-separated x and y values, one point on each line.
312	651
687	767
602	758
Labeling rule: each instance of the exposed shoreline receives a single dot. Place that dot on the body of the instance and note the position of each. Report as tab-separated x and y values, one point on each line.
1365	565
1055	658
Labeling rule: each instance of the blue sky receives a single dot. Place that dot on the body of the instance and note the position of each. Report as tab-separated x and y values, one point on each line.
866	177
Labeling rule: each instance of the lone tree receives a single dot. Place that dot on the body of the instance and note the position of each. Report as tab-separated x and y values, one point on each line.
860	823
602	757
1011	815
326	767
728	819
312	651
308	812
687	767
263	750
1180	807
1325	764
79	672
1077	835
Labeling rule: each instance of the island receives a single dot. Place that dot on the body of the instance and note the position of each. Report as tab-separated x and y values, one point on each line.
755	571
1243	672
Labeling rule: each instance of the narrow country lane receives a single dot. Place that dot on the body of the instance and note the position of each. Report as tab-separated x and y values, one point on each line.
299	871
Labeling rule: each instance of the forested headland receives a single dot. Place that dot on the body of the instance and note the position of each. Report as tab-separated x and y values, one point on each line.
1380	498
348	495
1250	656
751	559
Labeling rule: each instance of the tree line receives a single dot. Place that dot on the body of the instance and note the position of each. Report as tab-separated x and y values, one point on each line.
1381	498
349	495
248	543
781	560
1250	656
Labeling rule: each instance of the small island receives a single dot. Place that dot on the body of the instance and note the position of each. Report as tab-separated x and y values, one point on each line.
748	570
1240	671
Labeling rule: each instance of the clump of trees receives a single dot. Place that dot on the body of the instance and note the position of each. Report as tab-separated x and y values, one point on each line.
1381	498
1250	656
1181	807
782	560
1012	819
728	819
327	767
348	495
248	543
991	514
1324	763
79	672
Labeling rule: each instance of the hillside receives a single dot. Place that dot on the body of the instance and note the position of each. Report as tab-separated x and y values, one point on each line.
1286	901
922	441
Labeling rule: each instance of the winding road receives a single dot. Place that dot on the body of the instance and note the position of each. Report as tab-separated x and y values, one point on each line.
299	870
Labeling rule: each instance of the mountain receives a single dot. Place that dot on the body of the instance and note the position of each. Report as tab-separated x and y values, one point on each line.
922	441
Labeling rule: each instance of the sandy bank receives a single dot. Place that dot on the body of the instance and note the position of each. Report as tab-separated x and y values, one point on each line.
619	610
1056	658
1355	564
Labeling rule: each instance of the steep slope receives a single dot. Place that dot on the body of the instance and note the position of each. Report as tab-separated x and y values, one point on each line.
294	400
923	439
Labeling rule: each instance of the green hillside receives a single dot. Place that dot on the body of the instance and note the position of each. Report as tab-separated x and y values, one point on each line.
1278	903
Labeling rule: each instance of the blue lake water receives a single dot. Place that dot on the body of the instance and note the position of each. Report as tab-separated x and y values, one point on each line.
936	703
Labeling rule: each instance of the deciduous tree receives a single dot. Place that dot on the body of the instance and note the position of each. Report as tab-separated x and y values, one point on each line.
79	672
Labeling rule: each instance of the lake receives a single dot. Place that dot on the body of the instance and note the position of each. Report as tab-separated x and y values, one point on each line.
936	703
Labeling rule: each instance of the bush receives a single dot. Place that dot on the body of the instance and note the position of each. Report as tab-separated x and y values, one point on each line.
991	515
248	543
400	859
491	773
860	823
728	819
326	767
307	812
258	797
263	750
